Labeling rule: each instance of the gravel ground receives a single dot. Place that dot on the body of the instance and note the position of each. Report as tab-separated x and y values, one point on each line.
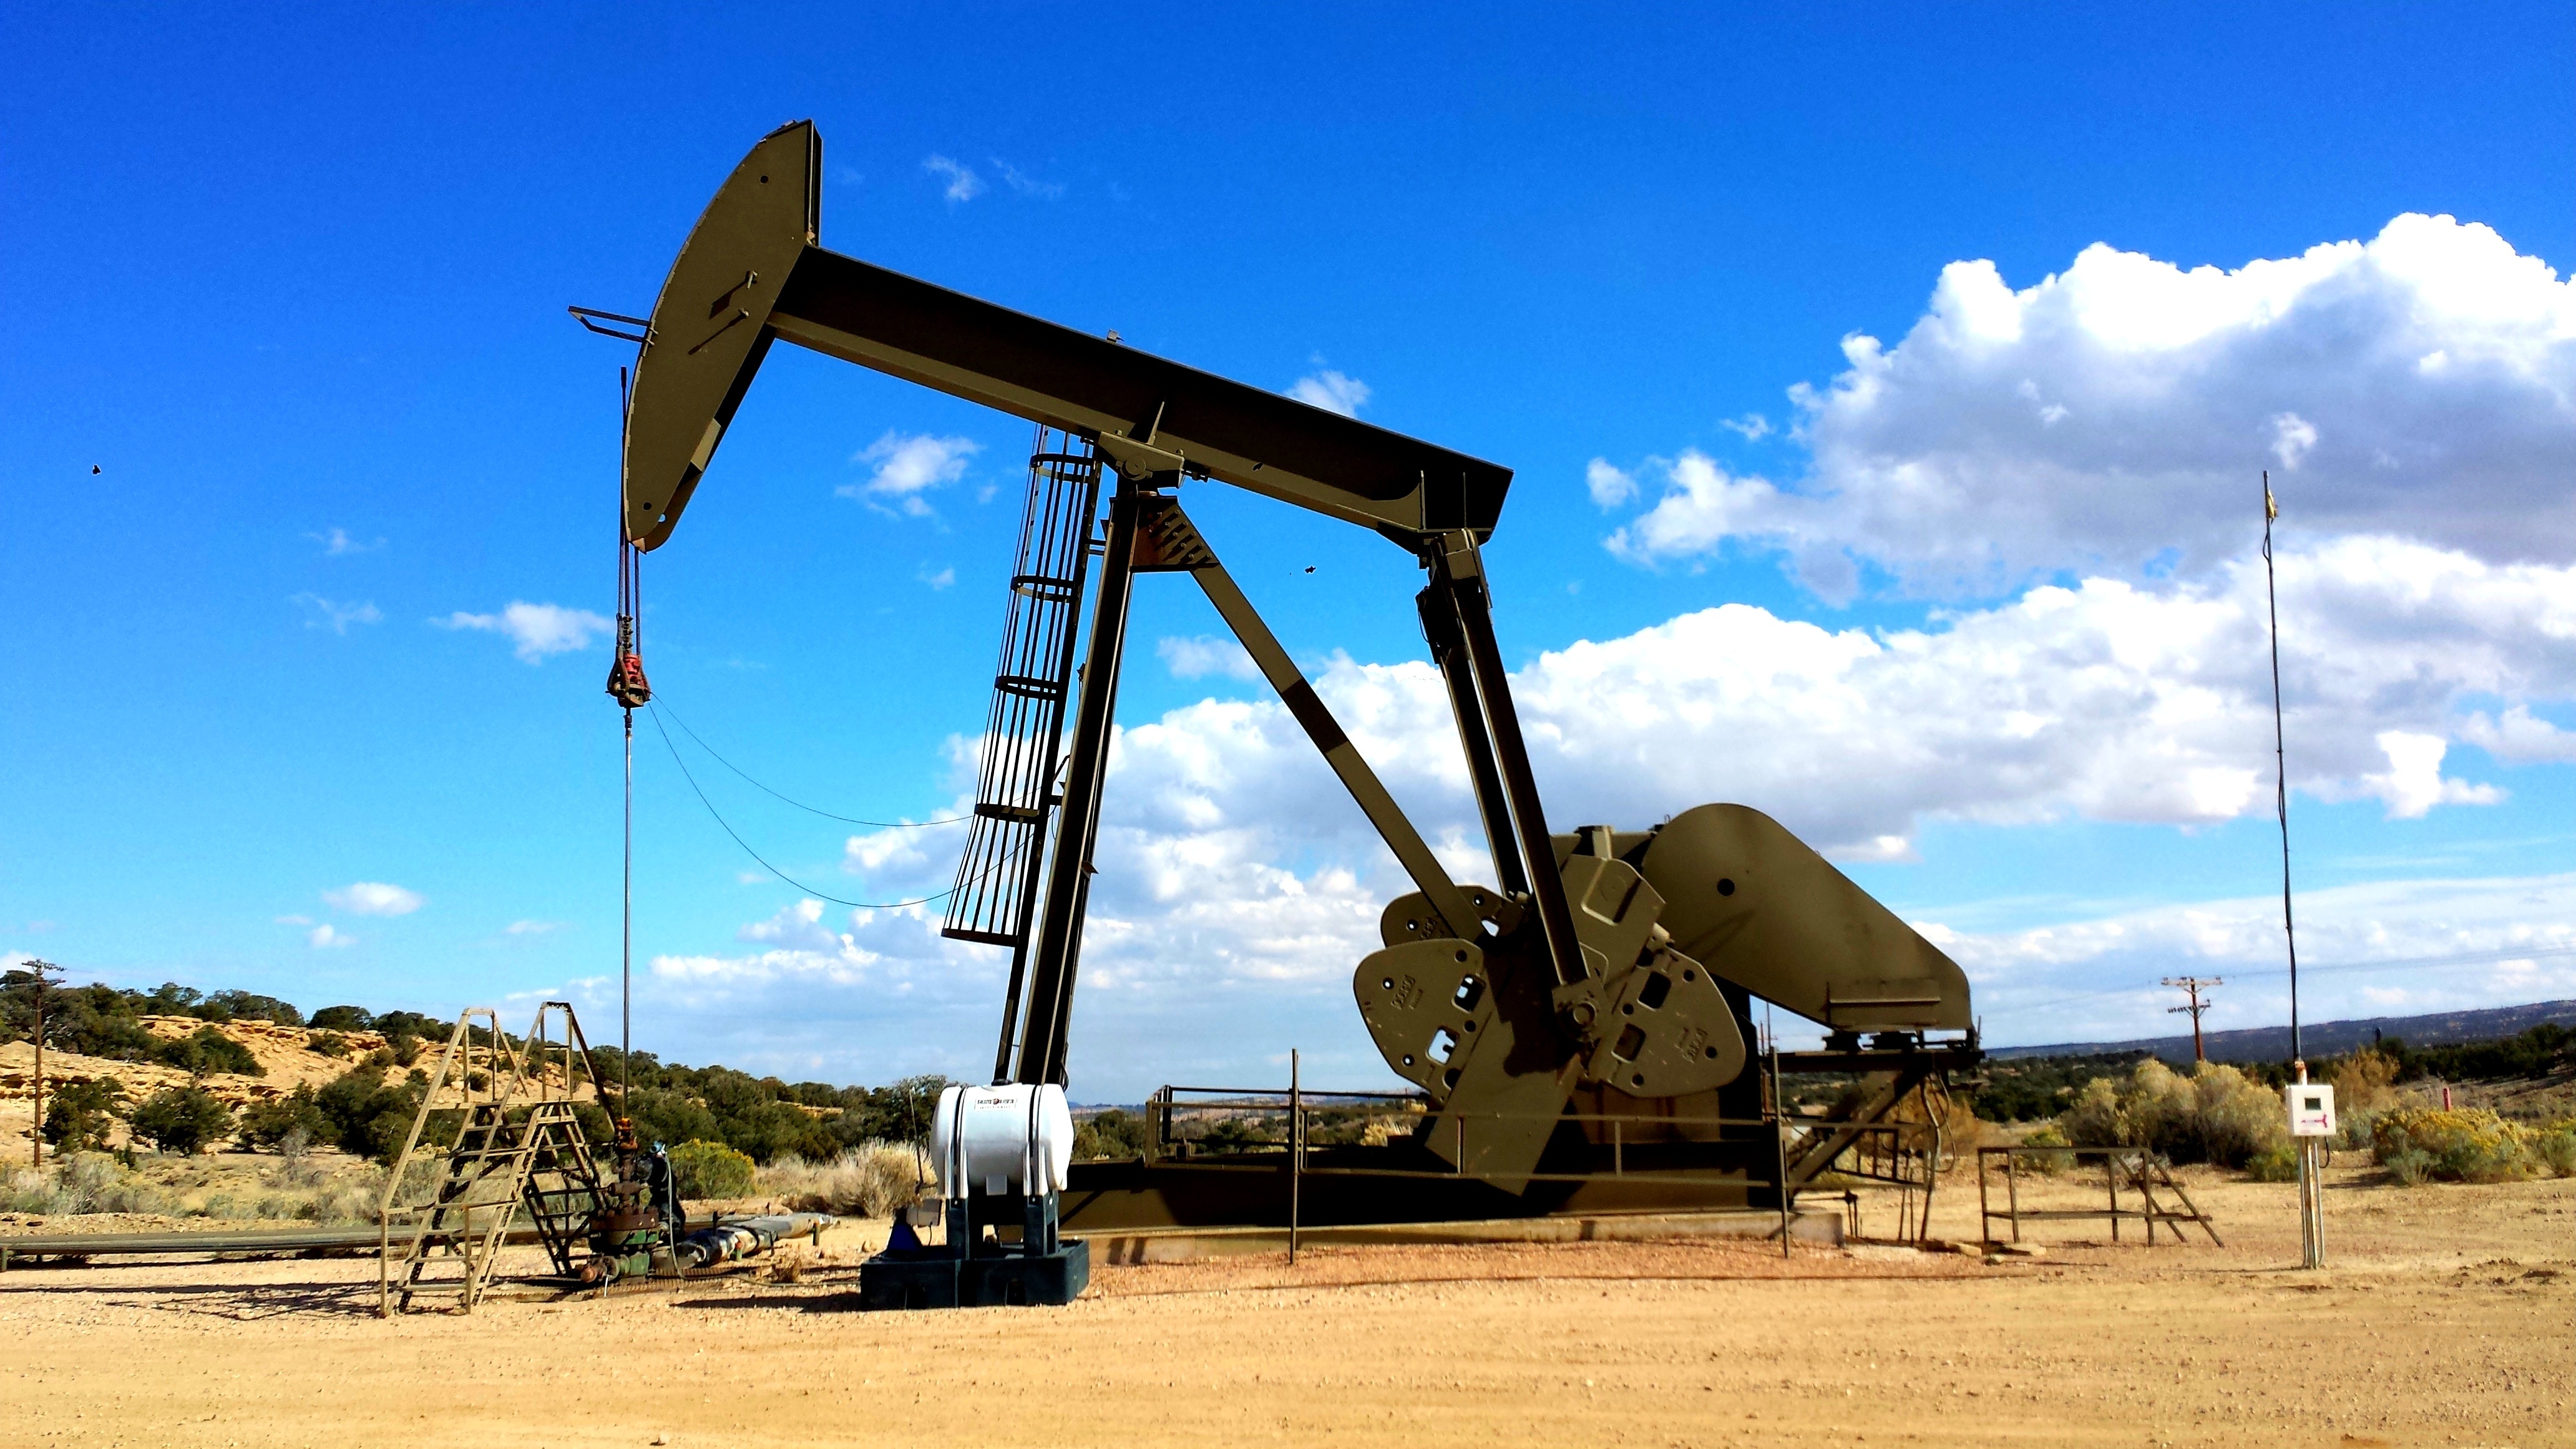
2447	1316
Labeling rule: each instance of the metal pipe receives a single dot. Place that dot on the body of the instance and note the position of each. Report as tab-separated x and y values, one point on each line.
1296	1152
1780	1142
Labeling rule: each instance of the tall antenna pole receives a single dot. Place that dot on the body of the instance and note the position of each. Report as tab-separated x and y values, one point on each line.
626	645
2312	1207
2281	777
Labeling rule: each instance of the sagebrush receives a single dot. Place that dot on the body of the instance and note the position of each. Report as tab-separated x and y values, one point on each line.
2470	1144
870	1180
2214	1115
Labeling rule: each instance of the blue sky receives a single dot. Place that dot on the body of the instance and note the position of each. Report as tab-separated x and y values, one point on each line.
293	284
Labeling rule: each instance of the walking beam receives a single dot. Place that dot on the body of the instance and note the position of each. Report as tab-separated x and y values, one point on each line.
752	272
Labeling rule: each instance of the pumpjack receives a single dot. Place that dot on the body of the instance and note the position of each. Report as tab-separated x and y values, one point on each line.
1576	1031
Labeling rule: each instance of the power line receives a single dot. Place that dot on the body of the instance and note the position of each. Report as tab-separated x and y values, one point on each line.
782	875
799	804
2466	958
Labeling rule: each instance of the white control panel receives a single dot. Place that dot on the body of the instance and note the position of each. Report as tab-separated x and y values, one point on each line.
2311	1109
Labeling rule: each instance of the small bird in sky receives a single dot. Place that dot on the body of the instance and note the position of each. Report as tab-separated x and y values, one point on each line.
93	468
1310	568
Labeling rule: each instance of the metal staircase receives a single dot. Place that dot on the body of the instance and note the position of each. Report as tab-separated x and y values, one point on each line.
520	1147
1893	1133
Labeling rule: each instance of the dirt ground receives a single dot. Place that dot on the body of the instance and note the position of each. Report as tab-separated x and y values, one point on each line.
2447	1316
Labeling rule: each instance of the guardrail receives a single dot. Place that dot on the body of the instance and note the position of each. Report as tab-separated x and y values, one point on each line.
2146	1173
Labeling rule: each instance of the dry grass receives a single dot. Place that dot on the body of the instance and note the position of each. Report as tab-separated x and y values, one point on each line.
304	1188
871	1180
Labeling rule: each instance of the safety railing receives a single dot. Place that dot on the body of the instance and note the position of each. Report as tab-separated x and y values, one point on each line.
1296	1131
2148	1176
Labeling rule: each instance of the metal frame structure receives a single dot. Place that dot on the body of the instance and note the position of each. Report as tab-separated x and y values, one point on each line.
520	1146
2146	1173
1577	982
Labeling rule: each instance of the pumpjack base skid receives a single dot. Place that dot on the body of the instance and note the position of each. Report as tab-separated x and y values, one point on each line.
1365	1186
938	1278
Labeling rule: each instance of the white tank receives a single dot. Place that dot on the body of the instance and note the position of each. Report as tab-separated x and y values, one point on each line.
994	1141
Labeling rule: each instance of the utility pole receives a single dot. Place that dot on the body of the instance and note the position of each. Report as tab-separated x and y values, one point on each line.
2312	1214
36	1131
2193	986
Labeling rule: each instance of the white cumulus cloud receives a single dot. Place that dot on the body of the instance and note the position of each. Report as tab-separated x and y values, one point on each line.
375	898
907	465
337	541
963	183
1196	656
2112	418
1332	391
322	613
2364	950
1608	486
1024	183
535	630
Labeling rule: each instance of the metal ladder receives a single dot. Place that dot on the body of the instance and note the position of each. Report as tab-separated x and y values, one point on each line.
519	1148
997	876
1893	1135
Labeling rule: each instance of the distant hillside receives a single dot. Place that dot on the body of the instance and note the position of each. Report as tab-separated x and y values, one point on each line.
2327	1038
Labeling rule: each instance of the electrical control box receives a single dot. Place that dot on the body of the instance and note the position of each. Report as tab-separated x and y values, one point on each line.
2311	1109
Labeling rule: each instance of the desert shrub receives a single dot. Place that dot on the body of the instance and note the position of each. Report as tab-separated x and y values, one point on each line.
2361	1082
2098	1118
2047	1164
871	1180
249	1006
1233	1134
344	1018
2352	1129
2273	1164
327	1043
2214	1115
27	1191
84	1182
208	1050
354	1197
235	1207
2234	1119
118	1190
1961	1129
2410	1167
1110	1134
182	1119
111	1035
297	1115
2556	1149
78	1116
296	1166
2467	1145
707	1170
369	1116
661	1116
